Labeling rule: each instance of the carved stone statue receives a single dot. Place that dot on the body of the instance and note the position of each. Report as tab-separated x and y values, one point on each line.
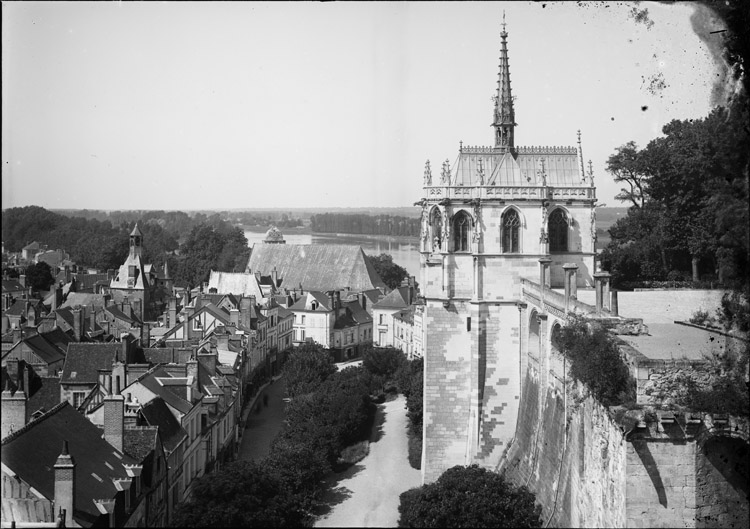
427	174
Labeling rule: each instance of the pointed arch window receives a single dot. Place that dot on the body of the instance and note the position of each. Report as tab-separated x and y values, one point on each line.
558	231
511	226
461	231
436	229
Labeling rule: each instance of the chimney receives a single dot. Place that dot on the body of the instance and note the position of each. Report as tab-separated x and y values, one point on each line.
67	274
138	308
57	296
274	277
65	485
13	410
92	319
189	311
204	288
110	275
77	323
125	348
145	335
22	280
208	361
257	276
192	371
186	299
234	317
172	313
331	300
245	312
614	305
222	341
114	420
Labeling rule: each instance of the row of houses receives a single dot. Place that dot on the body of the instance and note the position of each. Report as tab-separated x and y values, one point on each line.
112	410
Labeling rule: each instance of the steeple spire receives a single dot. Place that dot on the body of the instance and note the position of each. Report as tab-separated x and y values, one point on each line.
504	121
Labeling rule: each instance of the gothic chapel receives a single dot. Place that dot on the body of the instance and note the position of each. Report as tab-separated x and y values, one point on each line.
499	214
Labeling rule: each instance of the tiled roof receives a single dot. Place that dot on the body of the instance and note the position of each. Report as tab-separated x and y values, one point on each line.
84	360
395	299
139	441
157	414
32	451
316	266
58	338
17	309
235	283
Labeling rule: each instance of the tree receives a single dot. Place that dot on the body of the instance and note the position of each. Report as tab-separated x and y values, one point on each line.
469	497
595	361
626	166
39	276
306	368
391	273
383	362
243	493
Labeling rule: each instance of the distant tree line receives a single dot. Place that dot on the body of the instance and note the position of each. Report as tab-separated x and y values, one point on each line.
365	224
102	242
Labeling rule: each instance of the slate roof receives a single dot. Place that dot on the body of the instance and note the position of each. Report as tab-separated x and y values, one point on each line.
47	396
167	355
31	453
17	309
12	285
235	283
45	350
171	396
88	282
139	441
359	314
84	360
284	313
520	168
120	315
316	266
83	298
305	302
398	298
157	414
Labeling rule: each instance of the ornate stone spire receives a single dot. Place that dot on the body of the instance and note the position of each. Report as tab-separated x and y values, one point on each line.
504	121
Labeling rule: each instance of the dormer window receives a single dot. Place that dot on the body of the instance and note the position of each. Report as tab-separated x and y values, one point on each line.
314	305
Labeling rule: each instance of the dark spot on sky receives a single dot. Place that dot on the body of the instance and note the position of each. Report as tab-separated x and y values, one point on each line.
644	108
612	118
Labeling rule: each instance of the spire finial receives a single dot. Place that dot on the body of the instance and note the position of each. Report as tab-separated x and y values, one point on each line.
504	115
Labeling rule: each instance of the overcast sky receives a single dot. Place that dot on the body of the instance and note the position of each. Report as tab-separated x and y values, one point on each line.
195	105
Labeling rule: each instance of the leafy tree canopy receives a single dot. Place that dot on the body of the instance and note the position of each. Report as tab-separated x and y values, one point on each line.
383	361
307	366
39	276
469	497
391	273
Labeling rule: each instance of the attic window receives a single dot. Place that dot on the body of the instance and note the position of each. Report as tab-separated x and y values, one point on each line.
314	305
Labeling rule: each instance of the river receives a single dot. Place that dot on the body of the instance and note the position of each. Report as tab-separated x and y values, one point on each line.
404	250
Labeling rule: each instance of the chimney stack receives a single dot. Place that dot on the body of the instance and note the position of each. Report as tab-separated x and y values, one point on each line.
172	313
208	361
65	485
77	323
234	317
114	420
246	311
192	373
22	280
13	410
274	277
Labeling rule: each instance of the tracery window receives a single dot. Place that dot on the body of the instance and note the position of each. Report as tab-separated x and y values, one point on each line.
510	227
461	231
558	231
436	229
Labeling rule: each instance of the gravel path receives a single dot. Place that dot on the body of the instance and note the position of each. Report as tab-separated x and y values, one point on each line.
262	427
367	495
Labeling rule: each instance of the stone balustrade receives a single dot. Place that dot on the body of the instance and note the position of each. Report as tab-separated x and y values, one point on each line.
509	192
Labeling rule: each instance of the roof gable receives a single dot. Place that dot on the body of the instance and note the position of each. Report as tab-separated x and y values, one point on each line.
396	299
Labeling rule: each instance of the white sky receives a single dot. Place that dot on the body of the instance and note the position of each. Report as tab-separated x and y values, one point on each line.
247	105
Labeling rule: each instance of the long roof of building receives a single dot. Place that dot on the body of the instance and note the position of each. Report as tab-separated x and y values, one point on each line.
235	283
316	266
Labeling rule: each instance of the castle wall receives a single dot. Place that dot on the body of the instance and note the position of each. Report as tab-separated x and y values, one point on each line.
447	388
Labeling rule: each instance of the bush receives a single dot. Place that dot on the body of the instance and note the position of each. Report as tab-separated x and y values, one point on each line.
595	361
469	497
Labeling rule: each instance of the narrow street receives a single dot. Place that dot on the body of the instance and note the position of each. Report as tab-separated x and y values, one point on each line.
263	422
367	494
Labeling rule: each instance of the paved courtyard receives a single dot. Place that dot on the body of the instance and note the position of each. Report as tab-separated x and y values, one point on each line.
367	494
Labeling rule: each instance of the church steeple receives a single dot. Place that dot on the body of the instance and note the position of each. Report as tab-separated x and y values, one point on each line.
504	121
